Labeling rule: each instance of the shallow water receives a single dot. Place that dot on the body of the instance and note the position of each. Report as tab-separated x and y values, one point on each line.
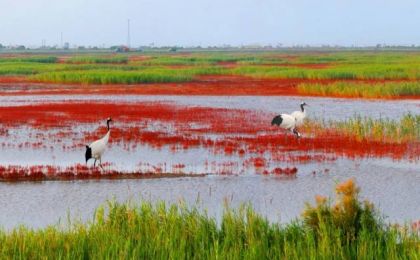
391	185
393	190
18	149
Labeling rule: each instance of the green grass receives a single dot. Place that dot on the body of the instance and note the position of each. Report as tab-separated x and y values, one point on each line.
344	71
141	75
31	68
104	73
26	68
349	230
201	59
36	59
406	129
362	90
117	59
361	57
113	77
341	66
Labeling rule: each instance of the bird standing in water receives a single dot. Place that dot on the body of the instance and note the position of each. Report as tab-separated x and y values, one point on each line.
291	121
287	122
96	149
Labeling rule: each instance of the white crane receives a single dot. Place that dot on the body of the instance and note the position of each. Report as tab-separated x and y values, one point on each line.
300	115
287	122
96	149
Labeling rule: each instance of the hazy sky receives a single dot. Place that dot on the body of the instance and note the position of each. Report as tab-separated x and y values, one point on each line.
210	22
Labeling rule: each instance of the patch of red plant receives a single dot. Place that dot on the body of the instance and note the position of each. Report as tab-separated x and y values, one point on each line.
227	64
234	137
284	171
12	79
214	85
78	171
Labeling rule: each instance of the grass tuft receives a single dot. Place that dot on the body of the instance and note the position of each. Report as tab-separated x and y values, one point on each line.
404	130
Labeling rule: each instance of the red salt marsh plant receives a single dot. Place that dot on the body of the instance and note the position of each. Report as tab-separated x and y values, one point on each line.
11	173
182	127
285	171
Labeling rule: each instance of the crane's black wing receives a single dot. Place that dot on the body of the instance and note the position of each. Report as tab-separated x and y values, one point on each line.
277	120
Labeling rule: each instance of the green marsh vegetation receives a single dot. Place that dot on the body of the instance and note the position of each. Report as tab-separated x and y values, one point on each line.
36	59
362	90
24	68
342	71
126	76
202	59
115	59
346	229
276	65
341	65
406	129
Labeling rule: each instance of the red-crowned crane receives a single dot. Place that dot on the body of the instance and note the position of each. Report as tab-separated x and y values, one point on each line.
287	122
96	149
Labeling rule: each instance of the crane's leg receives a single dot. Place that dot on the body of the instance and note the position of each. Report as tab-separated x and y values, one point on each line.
94	163
100	163
296	133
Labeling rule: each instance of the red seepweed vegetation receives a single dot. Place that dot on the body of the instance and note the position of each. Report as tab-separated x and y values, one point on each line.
217	85
12	173
255	143
214	85
181	127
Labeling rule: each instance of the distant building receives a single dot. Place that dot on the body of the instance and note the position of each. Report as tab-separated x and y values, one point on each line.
66	46
122	49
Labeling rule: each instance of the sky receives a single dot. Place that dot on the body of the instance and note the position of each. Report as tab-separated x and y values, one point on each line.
210	22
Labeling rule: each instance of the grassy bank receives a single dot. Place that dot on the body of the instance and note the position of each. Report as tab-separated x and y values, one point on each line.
362	90
348	229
